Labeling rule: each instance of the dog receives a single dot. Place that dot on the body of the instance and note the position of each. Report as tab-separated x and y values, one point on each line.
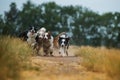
41	32
31	37
23	35
39	39
48	44
63	42
56	44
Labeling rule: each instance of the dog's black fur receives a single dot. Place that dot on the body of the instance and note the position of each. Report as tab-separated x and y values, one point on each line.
23	35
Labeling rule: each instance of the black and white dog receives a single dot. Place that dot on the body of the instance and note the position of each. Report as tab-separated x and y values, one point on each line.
29	36
32	37
63	42
23	35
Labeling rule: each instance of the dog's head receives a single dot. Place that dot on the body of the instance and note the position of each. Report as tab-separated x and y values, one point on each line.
32	30
47	35
43	29
41	32
63	40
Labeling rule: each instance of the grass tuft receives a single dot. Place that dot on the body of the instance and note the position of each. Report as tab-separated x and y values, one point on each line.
101	59
14	54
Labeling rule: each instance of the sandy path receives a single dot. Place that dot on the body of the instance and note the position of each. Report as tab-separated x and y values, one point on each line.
60	68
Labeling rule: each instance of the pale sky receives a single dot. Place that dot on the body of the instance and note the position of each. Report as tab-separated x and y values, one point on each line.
100	6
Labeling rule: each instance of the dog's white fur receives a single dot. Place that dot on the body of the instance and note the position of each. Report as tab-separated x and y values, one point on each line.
62	51
31	38
50	40
41	32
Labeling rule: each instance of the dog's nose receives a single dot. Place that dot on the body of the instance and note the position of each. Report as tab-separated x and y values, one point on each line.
45	38
62	45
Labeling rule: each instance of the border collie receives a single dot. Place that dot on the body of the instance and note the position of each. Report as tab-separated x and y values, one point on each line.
23	35
63	42
32	37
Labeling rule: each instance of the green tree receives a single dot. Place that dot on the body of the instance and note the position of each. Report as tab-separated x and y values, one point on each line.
11	18
1	24
51	16
27	16
84	26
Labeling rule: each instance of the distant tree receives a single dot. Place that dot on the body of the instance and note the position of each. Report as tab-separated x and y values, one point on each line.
108	33
1	24
67	17
84	26
11	18
51	16
27	16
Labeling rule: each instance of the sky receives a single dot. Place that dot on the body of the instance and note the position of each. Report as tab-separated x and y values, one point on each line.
99	6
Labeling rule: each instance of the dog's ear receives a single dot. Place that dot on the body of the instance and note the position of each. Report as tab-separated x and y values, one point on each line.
49	34
35	29
68	38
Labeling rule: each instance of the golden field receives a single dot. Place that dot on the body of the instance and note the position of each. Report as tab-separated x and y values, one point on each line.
14	55
84	63
101	59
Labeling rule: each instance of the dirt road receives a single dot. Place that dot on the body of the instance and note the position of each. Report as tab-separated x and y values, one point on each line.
60	68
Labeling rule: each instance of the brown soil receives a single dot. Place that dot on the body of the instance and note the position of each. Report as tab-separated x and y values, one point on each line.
60	68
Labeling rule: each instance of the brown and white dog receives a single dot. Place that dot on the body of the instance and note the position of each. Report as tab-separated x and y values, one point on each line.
41	32
48	44
39	39
63	42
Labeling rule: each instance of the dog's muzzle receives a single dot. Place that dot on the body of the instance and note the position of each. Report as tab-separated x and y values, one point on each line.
62	45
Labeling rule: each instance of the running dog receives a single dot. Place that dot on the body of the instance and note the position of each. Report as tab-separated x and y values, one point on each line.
48	44
23	35
31	37
39	39
63	42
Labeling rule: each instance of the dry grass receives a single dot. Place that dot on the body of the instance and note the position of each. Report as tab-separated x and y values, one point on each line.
14	54
101	59
81	76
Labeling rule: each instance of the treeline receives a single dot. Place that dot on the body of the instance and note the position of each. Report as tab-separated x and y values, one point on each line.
83	25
